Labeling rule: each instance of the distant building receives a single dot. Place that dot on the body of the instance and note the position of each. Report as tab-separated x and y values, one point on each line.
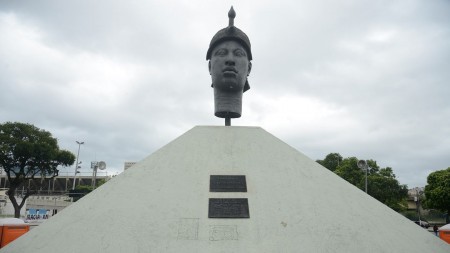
50	199
57	185
127	165
415	198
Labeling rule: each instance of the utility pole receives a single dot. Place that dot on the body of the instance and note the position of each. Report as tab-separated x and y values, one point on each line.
362	164
76	164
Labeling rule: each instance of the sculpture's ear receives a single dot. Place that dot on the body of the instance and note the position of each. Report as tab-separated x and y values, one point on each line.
209	68
249	68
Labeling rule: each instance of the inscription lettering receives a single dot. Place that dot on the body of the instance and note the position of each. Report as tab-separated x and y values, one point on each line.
228	208
226	183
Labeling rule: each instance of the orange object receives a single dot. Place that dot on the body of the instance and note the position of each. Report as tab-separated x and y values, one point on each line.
12	232
444	233
11	229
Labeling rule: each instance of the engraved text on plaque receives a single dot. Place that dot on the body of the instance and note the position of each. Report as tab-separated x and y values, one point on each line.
228	208
227	183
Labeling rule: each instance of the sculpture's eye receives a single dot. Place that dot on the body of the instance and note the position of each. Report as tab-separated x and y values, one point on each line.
239	52
221	52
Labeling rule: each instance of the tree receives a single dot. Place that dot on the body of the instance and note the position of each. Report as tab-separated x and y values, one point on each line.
349	171
28	153
437	191
385	188
382	184
331	161
83	190
80	191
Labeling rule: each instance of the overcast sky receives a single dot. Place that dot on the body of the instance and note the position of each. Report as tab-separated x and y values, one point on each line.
362	78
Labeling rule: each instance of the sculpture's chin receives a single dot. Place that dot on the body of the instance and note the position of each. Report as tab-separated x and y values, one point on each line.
229	85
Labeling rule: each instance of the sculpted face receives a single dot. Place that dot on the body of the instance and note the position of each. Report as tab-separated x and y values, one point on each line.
229	66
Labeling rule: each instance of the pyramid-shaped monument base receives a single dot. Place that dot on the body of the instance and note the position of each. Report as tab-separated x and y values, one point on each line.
227	189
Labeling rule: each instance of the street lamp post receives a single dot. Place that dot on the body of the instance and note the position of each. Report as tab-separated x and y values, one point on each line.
337	157
1	177
76	164
418	193
367	168
94	166
362	164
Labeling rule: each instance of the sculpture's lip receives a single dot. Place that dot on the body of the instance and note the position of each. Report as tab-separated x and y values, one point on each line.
230	69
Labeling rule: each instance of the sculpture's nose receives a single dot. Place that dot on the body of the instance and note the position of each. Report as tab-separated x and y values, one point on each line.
229	62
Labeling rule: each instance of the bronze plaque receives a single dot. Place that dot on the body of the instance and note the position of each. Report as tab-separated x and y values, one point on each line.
226	183
228	208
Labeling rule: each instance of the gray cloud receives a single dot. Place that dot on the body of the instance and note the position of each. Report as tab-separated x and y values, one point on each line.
362	78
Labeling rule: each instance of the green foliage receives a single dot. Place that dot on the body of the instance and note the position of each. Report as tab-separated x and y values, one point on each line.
384	187
431	216
411	214
85	188
101	182
331	161
382	184
437	191
349	171
27	152
80	191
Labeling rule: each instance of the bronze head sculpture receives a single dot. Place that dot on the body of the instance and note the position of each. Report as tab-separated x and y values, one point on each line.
229	56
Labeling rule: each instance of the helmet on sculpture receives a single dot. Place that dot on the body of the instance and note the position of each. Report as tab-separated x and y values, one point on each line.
231	33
